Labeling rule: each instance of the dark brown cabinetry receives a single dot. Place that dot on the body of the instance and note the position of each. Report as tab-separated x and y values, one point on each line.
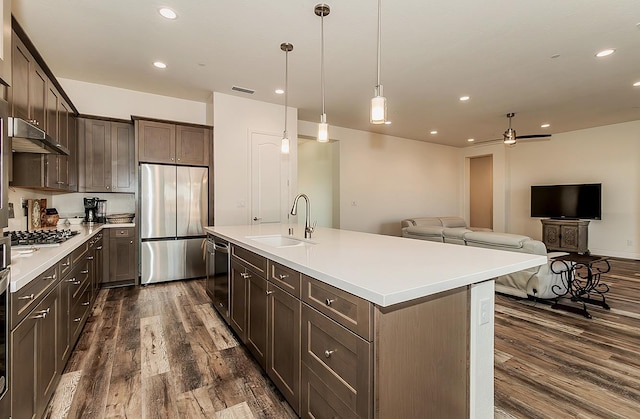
120	249
257	317
5	41
35	366
162	142
238	308
108	163
566	235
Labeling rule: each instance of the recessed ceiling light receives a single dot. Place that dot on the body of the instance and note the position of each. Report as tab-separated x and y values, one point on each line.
636	84
387	122
434	132
279	91
605	53
471	139
160	64
464	98
545	125
167	13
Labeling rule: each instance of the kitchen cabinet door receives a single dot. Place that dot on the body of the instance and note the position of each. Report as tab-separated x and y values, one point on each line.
38	95
72	160
95	147
23	369
156	142
19	91
238	309
123	165
53	97
5	41
257	317
122	260
47	366
283	346
192	145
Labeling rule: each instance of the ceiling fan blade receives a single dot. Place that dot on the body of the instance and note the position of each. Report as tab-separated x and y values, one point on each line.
520	137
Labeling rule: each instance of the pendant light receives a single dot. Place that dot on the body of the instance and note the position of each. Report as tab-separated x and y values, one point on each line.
287	48
379	102
509	136
322	10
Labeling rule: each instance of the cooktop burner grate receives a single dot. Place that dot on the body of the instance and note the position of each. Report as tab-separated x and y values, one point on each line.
41	237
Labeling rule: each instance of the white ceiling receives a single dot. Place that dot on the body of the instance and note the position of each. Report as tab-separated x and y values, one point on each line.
433	51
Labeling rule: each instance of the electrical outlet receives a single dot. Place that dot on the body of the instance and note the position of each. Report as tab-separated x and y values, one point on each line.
485	307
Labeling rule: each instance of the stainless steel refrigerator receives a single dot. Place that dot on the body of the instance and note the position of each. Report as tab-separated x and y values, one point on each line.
173	213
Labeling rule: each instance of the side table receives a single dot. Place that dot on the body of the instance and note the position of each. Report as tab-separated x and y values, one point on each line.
581	280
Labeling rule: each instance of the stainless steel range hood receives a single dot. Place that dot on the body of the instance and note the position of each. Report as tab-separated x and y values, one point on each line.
28	138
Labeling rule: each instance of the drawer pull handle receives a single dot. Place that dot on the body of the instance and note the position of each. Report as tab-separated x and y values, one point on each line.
72	279
66	264
41	314
49	277
89	257
86	303
75	282
26	297
328	353
86	271
77	319
329	301
99	248
269	292
283	276
245	275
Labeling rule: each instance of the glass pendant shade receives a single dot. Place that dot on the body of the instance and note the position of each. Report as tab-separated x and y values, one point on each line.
323	130
284	144
378	108
509	136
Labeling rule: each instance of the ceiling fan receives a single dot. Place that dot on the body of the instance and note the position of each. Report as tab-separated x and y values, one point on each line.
509	137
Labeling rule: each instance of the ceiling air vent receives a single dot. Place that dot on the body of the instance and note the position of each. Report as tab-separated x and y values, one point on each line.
243	90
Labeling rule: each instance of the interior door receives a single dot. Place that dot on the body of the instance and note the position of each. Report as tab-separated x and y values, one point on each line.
481	192
268	179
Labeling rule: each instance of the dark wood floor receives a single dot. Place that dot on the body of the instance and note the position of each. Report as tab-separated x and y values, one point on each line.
162	352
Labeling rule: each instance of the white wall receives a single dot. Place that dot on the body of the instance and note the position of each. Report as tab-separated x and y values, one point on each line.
384	179
114	102
609	155
234	119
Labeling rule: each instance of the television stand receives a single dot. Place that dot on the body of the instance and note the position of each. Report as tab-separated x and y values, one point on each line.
566	235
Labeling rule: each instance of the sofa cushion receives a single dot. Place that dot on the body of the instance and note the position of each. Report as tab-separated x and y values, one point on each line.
455	233
453	222
424	230
492	239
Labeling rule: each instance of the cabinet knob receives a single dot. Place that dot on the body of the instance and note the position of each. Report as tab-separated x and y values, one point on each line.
329	301
131	242
99	248
89	257
107	187
328	353
65	264
86	303
77	319
86	271
26	297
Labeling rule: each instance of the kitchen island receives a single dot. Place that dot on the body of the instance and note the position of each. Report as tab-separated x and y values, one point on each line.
389	327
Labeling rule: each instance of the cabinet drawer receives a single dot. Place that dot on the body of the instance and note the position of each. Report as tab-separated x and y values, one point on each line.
286	278
352	312
79	310
250	259
65	265
27	297
340	358
319	401
122	232
78	254
78	280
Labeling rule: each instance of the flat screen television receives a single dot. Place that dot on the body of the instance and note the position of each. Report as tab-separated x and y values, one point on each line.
567	201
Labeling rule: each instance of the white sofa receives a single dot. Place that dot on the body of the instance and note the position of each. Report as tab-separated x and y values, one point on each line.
538	282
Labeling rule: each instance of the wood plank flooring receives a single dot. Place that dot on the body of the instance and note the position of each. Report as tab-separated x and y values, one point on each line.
162	352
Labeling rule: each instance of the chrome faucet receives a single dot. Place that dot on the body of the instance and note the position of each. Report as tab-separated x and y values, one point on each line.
308	229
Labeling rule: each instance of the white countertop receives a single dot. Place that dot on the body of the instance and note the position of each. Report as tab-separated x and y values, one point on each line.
385	270
27	266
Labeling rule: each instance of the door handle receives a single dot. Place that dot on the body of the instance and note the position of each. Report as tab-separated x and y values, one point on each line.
257	218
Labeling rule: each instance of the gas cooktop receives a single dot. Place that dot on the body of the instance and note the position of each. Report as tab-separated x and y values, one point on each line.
41	238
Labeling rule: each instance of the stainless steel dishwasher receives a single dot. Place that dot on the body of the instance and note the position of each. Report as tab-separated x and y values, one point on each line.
218	274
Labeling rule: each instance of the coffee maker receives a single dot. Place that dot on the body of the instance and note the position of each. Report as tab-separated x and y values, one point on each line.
90	210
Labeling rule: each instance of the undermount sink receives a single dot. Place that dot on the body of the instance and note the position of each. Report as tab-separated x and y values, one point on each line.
278	240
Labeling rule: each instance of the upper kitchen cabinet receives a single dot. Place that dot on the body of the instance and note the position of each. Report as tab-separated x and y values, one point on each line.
107	156
163	142
5	43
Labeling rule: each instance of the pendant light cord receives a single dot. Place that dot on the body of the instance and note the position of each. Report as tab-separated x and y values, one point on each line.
322	58
379	24
286	88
